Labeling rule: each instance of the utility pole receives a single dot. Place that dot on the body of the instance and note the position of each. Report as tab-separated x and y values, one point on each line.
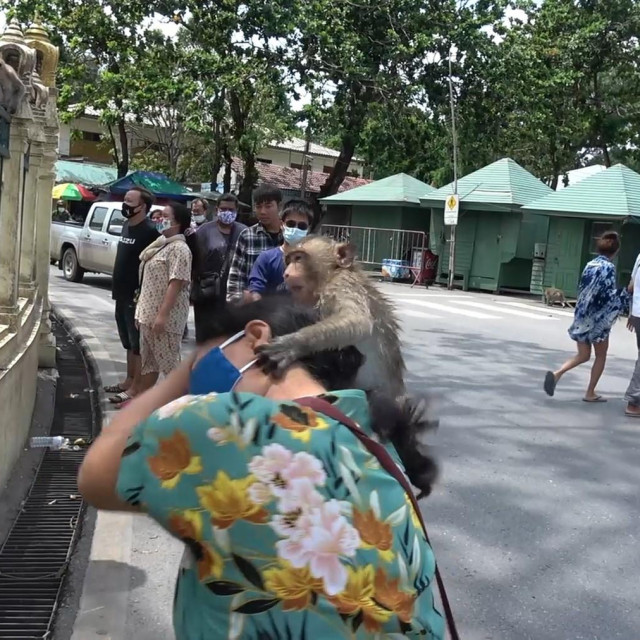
452	237
305	162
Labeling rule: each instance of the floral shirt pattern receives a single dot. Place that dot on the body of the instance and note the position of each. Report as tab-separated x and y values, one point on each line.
172	262
599	302
293	529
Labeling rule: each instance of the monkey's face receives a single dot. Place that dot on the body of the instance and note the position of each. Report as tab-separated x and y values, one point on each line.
300	279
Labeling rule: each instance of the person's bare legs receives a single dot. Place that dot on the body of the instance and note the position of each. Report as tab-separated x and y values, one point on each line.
583	355
136	366
147	381
600	349
130	373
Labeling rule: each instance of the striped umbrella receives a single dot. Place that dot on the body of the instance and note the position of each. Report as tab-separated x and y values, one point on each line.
70	191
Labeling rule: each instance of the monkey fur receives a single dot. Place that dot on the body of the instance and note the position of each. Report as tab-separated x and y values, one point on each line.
354	312
554	296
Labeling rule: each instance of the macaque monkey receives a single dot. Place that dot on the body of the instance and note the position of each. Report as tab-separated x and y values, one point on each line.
323	273
554	296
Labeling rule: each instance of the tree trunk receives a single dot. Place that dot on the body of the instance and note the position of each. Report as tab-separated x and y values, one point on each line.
123	164
219	146
227	169
336	177
249	178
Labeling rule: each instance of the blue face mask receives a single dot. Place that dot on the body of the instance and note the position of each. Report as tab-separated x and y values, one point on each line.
293	235
214	372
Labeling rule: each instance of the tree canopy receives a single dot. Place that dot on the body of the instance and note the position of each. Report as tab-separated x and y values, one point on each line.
554	84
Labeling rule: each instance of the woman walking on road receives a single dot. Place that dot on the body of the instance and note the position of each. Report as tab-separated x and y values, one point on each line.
599	304
163	304
297	523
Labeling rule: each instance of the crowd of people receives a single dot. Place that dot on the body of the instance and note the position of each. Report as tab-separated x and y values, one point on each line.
176	258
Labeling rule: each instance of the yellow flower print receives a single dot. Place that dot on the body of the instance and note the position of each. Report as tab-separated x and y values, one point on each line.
210	563
391	597
359	596
295	587
300	421
228	501
415	519
173	459
374	534
187	525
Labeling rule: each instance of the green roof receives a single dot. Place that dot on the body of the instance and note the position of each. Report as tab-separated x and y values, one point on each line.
611	194
86	173
399	189
503	182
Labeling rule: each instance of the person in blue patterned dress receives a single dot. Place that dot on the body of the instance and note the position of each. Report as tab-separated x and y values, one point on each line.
292	527
599	304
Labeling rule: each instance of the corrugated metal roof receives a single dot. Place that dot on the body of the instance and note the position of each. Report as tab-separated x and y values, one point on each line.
288	178
400	189
503	182
86	173
299	145
614	193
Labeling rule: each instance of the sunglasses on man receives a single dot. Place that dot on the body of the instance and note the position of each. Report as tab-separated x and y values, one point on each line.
292	224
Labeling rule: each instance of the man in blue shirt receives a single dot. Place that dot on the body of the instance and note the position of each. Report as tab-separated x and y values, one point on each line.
267	274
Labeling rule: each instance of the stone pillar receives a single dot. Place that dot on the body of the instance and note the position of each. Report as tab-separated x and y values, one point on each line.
29	209
10	208
46	181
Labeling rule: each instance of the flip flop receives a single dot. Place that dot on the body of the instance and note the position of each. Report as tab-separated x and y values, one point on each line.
550	383
123	396
114	388
594	400
631	414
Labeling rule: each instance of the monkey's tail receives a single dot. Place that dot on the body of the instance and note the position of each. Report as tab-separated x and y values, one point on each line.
402	422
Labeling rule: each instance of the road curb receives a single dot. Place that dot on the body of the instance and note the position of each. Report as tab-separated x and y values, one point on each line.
103	603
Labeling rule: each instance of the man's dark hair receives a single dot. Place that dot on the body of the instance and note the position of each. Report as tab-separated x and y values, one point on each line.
204	203
267	193
400	423
146	196
182	215
298	206
228	197
608	244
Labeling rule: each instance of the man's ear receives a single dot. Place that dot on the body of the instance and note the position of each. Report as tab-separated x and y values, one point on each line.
345	253
257	333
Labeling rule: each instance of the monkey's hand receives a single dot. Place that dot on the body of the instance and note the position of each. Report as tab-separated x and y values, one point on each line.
277	356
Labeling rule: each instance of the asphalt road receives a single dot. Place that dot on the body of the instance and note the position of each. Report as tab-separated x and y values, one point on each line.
535	520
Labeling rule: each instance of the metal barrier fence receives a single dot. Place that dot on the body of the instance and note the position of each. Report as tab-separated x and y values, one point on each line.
375	245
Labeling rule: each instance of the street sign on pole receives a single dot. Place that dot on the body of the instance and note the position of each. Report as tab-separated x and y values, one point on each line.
451	209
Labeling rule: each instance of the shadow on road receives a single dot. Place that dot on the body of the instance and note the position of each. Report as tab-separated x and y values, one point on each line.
536	516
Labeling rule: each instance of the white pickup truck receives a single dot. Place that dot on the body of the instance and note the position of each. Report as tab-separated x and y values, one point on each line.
92	246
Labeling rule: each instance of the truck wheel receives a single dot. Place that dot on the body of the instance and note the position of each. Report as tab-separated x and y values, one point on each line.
72	271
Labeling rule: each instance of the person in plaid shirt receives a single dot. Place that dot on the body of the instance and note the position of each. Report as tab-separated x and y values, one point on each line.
267	234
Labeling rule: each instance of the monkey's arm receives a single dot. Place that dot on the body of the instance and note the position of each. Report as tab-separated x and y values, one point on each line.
346	326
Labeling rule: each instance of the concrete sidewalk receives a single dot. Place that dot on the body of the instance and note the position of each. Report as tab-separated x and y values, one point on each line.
128	586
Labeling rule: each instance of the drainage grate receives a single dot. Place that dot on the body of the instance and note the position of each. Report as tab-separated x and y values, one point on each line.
35	556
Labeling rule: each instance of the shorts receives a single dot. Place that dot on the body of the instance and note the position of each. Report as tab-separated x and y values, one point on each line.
126	323
160	352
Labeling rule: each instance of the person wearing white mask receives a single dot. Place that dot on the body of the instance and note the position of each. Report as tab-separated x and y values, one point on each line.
213	245
162	304
199	210
267	274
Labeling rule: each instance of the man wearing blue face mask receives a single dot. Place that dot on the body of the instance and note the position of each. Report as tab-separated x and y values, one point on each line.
267	274
213	245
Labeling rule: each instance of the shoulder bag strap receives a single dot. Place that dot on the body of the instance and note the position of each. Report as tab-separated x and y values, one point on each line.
389	465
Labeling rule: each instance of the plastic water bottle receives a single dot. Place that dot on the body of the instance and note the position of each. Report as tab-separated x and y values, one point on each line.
51	442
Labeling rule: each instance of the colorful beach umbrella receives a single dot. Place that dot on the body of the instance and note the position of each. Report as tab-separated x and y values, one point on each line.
69	191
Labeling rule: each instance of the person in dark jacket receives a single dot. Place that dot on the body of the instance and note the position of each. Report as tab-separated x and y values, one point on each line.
213	245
